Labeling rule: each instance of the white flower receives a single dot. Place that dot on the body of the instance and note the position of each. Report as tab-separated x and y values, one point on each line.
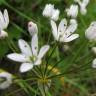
4	21
83	6
64	33
7	80
32	28
48	10
90	33
51	12
29	56
72	11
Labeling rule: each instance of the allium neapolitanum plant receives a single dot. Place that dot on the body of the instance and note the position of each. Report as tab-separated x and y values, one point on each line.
54	67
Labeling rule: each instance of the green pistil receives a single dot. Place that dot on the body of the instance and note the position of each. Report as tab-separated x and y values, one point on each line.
33	58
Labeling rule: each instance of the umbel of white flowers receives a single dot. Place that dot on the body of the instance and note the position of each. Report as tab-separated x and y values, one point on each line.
83	4
4	21
64	33
29	56
51	12
72	11
7	80
90	32
32	28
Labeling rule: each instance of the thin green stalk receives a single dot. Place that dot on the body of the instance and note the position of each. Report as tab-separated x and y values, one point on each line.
49	58
49	37
71	71
77	85
54	66
36	73
39	70
20	29
29	79
57	54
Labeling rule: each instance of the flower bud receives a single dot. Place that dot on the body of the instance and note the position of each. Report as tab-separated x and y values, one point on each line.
32	28
90	33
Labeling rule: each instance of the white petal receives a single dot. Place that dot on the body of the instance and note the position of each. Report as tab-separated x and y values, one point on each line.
71	38
72	27
83	10
6	18
37	62
85	2
54	30
2	26
8	80
34	45
55	14
17	57
48	10
94	63
26	67
25	48
72	11
62	26
43	51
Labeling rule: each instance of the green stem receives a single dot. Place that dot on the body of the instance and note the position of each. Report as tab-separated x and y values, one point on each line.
54	66
20	29
49	58
57	53
36	73
71	71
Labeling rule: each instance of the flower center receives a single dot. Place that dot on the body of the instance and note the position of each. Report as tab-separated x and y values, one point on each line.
33	58
44	80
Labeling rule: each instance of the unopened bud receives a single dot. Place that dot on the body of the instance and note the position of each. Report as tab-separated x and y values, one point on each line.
32	28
